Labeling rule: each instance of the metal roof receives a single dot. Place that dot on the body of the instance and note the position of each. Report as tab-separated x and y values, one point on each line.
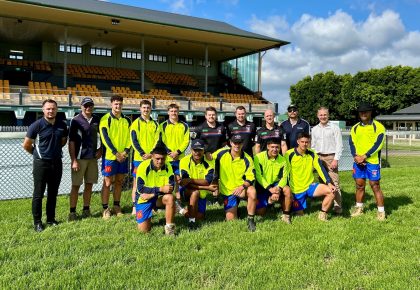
90	22
413	109
398	117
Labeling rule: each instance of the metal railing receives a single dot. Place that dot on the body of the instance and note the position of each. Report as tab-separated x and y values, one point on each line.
401	149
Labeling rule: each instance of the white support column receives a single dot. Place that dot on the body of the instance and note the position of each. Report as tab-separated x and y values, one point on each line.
259	70
142	64
65	59
206	64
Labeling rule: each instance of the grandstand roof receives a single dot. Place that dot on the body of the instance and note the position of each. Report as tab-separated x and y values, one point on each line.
91	22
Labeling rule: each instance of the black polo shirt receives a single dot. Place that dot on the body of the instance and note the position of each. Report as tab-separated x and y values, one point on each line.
47	138
291	132
213	137
264	134
247	131
84	134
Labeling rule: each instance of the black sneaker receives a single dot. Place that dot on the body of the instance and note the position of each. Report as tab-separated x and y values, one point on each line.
251	225
192	226
52	223
38	227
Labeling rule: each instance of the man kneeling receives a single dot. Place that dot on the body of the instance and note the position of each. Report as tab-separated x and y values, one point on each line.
196	177
302	162
155	184
272	173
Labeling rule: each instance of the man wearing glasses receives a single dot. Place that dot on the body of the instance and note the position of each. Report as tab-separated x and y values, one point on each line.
293	126
84	152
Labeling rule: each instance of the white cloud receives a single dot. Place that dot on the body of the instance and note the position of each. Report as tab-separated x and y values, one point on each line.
336	43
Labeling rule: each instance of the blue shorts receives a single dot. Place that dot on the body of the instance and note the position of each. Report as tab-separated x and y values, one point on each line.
262	199
299	199
369	171
113	167
230	201
202	202
144	210
135	164
175	166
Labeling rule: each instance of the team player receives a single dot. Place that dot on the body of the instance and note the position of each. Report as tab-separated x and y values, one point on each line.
84	152
366	141
272	173
302	162
244	128
155	184
293	126
212	133
175	136
115	135
196	180
268	131
144	133
234	169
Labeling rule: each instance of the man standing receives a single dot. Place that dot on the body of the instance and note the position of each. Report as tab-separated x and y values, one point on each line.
293	126
115	135
302	162
50	135
144	134
328	143
212	133
234	170
272	173
155	183
244	128
175	136
84	152
269	131
196	179
366	141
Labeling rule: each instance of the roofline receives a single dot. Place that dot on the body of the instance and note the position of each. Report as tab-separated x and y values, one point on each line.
257	36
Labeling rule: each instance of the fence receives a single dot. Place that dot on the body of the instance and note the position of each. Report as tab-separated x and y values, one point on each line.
401	149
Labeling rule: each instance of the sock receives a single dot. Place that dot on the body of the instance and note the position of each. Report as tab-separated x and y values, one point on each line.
104	205
250	216
86	207
359	204
191	220
286	212
381	208
170	225
323	210
116	203
72	209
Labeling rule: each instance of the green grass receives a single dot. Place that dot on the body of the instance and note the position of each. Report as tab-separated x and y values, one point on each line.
344	253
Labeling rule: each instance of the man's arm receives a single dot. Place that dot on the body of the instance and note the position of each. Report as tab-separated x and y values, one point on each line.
28	145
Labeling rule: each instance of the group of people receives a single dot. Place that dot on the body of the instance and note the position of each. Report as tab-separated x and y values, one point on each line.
275	163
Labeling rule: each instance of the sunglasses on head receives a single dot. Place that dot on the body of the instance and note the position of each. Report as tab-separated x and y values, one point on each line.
292	110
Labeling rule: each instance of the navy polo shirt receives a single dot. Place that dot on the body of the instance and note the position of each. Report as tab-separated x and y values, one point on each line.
214	137
291	132
84	134
47	138
264	134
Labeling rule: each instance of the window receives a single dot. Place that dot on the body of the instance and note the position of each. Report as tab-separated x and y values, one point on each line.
131	54
157	58
71	48
184	60
202	62
100	51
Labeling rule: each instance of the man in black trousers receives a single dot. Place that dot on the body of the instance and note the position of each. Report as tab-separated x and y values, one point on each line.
44	140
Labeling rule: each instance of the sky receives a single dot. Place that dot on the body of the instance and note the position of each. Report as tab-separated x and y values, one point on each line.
344	36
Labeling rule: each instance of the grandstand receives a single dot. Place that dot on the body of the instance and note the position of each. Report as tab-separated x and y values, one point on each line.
66	50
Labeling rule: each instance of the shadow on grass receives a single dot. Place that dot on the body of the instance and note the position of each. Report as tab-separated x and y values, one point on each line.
392	203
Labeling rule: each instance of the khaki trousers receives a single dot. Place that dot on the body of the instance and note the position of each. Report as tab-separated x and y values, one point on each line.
326	161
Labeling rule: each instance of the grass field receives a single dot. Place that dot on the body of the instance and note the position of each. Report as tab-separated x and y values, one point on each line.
344	253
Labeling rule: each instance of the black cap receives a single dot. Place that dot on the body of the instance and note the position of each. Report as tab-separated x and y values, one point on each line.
197	144
237	139
292	106
364	107
87	101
